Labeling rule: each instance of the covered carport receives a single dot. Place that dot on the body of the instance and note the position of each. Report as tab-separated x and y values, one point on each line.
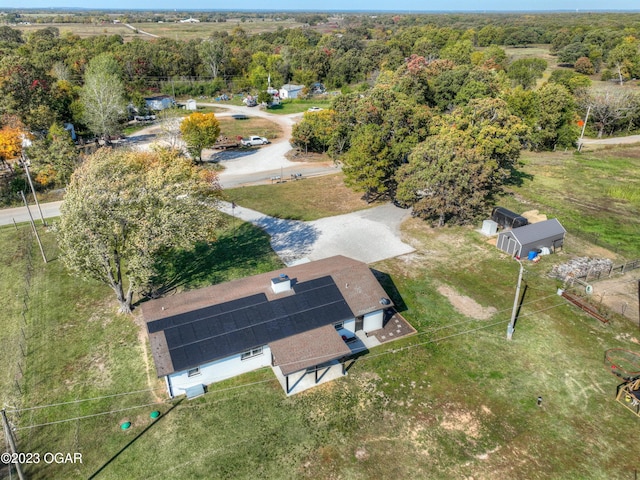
307	359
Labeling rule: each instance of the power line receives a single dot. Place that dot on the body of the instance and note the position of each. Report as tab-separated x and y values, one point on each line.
83	400
88	416
37	407
241	386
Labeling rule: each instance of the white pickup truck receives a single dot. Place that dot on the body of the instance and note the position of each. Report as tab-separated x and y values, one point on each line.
254	140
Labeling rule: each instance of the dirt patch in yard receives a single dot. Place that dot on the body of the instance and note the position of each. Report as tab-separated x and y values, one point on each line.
619	294
534	216
296	155
465	305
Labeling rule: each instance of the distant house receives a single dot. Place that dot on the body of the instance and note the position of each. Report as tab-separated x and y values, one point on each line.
159	102
290	91
296	320
535	236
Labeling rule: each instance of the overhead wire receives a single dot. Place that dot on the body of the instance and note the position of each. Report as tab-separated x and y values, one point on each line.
37	407
245	385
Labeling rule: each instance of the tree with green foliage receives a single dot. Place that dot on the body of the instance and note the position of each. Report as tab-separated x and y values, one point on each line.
455	172
492	58
25	91
214	54
572	81
458	52
525	71
368	165
572	52
624	59
315	131
54	158
412	79
382	128
199	131
123	209
265	97
102	96
556	118
10	35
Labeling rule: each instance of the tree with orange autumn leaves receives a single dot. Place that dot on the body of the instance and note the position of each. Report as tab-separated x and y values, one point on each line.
12	134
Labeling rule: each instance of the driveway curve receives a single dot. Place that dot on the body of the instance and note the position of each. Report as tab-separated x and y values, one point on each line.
367	235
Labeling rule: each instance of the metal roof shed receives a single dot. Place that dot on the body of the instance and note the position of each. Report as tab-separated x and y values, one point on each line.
520	241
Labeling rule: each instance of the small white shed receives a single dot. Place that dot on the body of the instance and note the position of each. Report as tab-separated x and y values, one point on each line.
290	90
191	104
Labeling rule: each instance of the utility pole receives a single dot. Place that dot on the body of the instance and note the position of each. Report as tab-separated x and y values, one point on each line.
33	226
33	190
584	125
512	323
12	444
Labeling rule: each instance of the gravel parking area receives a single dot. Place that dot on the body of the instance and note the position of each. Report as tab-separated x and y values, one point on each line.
367	235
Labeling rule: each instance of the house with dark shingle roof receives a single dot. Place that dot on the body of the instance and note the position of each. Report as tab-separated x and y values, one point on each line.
295	320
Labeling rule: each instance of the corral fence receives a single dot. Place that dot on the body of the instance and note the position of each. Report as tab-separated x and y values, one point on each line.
614	269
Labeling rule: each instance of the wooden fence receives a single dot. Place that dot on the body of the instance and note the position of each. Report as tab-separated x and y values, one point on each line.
619	269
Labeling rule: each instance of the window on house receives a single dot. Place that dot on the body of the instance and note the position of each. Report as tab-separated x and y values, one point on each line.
194	371
251	353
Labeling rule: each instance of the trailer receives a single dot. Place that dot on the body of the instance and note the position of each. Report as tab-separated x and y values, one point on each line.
225	142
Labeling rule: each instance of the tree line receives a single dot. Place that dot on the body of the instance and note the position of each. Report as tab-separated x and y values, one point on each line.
433	114
442	62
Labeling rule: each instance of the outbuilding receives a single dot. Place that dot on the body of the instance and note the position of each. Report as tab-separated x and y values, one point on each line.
508	219
159	102
290	90
533	237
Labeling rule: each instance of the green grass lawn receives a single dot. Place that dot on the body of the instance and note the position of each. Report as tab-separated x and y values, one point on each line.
243	127
593	194
77	347
456	400
315	198
299	105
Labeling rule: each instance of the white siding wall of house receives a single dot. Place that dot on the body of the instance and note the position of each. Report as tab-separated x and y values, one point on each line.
219	370
350	325
373	321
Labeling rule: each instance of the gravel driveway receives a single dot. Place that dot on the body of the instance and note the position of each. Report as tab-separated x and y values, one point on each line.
367	235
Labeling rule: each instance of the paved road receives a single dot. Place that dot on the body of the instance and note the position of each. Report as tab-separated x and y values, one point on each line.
20	214
254	165
367	235
612	141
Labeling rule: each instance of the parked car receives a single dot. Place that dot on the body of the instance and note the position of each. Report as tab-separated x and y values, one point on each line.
314	109
254	140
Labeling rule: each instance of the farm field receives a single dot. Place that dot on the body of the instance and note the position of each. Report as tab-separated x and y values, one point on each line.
188	31
456	400
182	31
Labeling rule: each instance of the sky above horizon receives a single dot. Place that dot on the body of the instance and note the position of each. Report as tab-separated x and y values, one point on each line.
334	5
